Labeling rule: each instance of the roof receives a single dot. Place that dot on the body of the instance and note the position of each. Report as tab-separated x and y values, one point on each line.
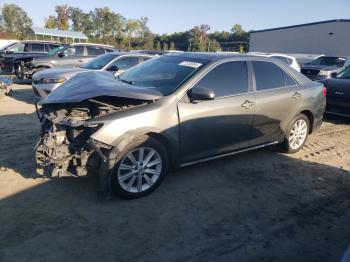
211	56
57	32
301	25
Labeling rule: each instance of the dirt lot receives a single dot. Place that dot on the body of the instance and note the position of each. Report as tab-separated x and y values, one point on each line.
259	206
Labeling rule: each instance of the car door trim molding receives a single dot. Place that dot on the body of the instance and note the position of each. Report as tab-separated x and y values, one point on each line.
228	154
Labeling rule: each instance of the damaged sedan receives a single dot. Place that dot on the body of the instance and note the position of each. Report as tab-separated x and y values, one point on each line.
173	111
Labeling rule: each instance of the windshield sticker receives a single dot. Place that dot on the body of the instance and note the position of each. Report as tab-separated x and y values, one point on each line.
190	64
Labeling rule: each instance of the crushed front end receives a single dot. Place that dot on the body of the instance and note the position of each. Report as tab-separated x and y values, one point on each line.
65	147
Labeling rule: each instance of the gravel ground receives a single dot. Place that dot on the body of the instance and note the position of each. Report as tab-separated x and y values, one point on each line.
258	206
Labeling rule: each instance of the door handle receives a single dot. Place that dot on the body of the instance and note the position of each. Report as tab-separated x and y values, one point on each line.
247	104
296	95
81	60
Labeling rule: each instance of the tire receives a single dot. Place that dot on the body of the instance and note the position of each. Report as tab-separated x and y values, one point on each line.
125	168
291	145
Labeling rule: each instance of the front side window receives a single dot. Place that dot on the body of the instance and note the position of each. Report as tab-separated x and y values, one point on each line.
18	48
36	47
125	63
74	51
227	79
163	74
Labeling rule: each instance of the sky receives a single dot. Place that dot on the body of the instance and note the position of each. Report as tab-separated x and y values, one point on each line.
168	16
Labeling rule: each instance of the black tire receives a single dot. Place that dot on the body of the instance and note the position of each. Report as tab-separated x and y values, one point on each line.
286	146
142	141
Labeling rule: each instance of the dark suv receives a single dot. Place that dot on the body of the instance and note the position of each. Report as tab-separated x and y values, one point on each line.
23	49
63	56
174	110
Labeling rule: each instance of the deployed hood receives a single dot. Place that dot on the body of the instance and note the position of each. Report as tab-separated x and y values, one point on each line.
65	72
94	84
320	67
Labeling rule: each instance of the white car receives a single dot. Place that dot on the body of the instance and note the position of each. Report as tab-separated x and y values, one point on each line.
288	59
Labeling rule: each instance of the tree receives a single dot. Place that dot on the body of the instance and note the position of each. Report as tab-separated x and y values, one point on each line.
62	22
158	47
237	30
165	46
15	21
50	22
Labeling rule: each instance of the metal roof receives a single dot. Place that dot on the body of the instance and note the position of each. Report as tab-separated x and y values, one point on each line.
301	25
59	33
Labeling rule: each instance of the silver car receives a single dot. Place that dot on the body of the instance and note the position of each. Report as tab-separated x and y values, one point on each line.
48	80
173	111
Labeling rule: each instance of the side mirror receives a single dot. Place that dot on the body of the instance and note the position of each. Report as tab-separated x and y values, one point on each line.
61	54
334	74
201	93
113	68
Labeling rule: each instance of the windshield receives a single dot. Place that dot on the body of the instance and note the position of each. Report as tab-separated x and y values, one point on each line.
55	50
99	62
345	74
329	61
163	74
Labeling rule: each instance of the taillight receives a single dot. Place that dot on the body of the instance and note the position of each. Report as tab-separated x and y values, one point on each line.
324	91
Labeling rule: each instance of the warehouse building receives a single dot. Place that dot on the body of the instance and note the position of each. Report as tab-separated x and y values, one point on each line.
327	37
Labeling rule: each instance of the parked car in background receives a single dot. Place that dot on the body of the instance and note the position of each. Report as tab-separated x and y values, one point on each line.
288	59
23	49
338	94
48	80
63	56
324	67
174	110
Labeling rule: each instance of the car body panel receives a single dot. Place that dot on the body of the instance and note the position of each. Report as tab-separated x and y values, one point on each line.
196	129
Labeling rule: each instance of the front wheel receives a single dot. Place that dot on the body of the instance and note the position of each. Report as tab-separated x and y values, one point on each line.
140	168
297	134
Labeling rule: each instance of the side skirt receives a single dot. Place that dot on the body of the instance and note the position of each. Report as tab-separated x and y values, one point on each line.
228	154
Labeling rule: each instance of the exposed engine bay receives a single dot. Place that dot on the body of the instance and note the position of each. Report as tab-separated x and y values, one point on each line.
65	147
24	68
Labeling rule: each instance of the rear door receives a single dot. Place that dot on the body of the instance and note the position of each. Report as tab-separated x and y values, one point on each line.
214	127
278	99
72	56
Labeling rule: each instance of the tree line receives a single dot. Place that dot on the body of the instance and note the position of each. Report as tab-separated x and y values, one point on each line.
103	25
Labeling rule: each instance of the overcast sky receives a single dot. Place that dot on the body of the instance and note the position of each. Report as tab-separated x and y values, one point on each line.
168	16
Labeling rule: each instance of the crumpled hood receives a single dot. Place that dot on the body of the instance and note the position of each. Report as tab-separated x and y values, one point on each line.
93	84
65	72
321	67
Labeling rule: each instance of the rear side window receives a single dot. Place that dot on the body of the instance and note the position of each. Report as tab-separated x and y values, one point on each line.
92	50
267	75
230	78
36	47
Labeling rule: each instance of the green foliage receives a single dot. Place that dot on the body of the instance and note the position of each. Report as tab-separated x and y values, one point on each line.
103	25
158	47
50	22
62	22
15	21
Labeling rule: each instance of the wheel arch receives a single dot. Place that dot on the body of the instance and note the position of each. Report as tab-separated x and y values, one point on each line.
310	116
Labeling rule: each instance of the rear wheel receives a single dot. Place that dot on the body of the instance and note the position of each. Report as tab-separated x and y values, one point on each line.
140	168
297	134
